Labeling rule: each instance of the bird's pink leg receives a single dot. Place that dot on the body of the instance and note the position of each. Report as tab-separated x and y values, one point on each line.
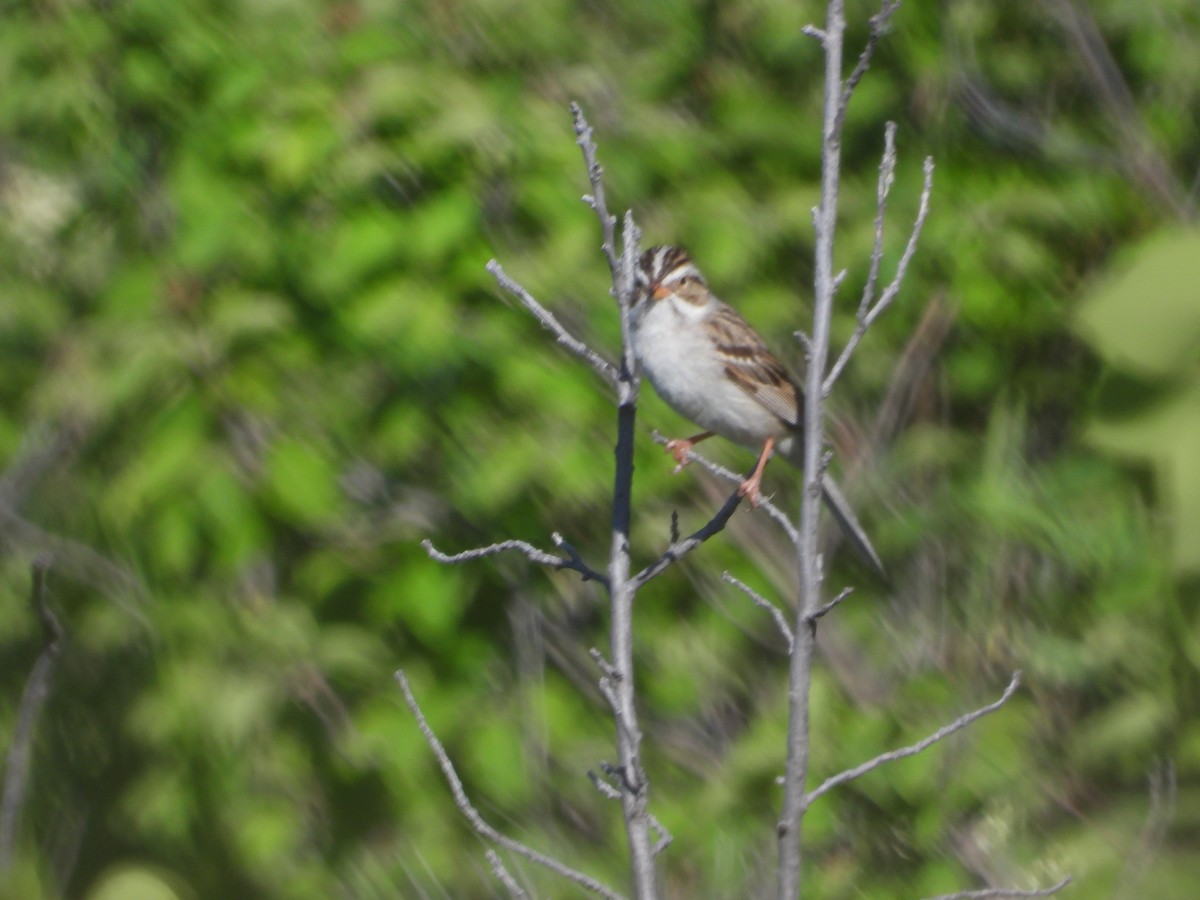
750	487
679	449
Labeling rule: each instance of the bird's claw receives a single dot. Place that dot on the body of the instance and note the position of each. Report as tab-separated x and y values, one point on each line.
679	450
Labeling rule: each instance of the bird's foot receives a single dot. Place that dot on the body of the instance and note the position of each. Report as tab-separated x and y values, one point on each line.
679	450
751	489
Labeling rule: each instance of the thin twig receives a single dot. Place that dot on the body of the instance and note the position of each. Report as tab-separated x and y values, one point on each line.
611	791
532	553
664	836
506	879
481	827
879	23
1004	892
866	319
887	177
763	603
911	750
828	607
764	503
605	788
682	548
33	700
596	199
603	367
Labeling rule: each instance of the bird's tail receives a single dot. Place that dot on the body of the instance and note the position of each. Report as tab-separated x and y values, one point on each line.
840	507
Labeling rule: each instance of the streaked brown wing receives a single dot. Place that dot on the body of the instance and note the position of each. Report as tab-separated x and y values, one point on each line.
752	367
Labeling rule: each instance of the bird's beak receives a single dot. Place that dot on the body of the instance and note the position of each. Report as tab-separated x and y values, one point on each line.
658	292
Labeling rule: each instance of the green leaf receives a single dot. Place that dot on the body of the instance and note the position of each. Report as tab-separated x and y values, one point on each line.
1144	315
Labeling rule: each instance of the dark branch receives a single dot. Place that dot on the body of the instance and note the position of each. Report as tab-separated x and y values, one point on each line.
764	503
680	549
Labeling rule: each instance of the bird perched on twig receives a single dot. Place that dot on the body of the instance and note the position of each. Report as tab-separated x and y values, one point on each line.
710	366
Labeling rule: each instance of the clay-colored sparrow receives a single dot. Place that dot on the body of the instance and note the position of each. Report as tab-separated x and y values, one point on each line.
709	365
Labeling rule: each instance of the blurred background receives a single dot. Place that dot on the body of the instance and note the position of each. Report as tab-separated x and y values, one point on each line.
251	358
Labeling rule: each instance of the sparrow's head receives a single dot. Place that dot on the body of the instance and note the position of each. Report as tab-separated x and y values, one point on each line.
665	272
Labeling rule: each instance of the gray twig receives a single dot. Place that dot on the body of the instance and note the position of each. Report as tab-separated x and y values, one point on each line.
682	548
828	607
613	791
596	199
532	553
33	699
913	749
879	25
764	503
482	828
510	883
868	312
763	603
603	367
1005	892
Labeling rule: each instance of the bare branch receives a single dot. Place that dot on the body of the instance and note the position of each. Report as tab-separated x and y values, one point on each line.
913	749
879	26
789	827
482	828
680	549
828	607
605	788
609	790
618	687
1005	892
814	32
532	553
764	503
604	665
596	199
603	367
664	836
33	699
887	176
510	883
867	316
763	603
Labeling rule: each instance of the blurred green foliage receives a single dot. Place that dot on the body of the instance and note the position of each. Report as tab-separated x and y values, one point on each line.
251	357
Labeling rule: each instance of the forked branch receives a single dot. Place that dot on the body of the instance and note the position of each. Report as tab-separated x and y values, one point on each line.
482	828
879	27
870	309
